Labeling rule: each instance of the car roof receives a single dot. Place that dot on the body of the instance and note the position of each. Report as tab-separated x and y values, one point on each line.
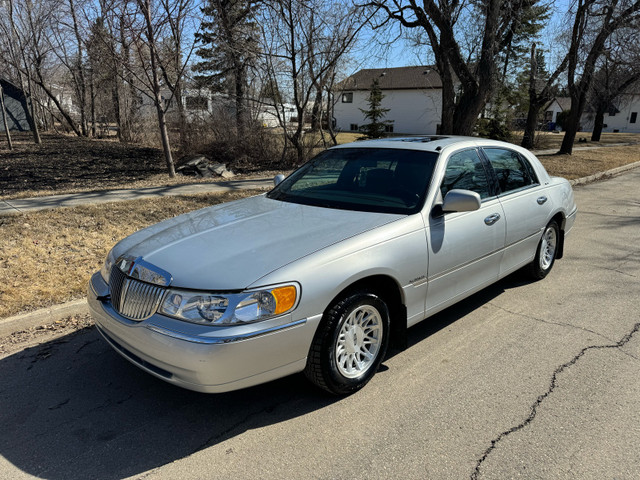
429	143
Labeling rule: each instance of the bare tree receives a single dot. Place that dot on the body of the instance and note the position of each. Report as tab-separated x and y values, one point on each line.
153	77
469	72
17	40
540	93
303	43
177	54
594	22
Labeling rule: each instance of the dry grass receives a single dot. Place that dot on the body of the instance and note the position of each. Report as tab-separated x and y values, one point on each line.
47	257
587	162
545	140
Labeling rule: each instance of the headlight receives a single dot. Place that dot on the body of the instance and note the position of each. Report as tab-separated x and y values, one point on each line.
105	271
231	309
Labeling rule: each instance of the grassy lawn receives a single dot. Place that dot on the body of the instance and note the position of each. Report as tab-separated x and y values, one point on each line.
47	257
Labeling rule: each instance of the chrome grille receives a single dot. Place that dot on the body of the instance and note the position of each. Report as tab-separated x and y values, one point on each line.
132	298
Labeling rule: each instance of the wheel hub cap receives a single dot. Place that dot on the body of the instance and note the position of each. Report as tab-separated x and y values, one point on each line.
548	248
359	341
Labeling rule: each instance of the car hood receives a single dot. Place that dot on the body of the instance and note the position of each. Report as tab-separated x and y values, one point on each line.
232	245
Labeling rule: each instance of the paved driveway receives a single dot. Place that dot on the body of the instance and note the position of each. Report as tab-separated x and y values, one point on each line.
524	380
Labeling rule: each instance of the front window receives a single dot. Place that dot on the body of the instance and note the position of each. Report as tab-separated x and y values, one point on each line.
347	97
466	171
364	179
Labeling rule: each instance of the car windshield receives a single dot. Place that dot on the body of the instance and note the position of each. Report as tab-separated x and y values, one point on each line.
365	179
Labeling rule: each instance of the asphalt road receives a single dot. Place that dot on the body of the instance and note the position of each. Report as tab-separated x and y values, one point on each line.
523	380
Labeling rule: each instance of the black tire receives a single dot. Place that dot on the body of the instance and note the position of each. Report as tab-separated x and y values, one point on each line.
341	360
546	252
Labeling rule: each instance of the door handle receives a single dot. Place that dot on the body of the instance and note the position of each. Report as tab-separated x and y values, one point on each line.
541	200
491	219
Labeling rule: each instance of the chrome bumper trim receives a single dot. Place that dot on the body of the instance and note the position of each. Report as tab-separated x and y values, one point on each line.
223	340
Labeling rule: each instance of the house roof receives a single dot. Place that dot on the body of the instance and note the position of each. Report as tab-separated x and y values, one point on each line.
11	89
564	102
401	78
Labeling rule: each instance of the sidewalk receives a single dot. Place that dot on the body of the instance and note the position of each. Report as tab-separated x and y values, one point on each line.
22	205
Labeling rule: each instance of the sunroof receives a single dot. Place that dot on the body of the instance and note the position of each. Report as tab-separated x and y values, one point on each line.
424	139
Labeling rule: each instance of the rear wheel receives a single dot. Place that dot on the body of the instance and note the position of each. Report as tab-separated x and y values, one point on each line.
546	252
350	344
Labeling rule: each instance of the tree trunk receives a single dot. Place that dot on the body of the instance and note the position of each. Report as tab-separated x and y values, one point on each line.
3	110
81	81
529	136
92	103
182	116
448	100
240	101
115	97
466	113
157	98
57	103
578	102
32	112
164	135
316	111
598	123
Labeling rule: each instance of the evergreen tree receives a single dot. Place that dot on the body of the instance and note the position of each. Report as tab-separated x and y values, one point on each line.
376	127
230	47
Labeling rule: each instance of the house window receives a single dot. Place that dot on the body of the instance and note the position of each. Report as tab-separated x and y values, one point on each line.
634	117
347	97
388	128
353	127
197	103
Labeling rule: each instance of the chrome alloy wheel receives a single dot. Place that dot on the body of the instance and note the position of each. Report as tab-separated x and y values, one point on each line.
548	248
359	341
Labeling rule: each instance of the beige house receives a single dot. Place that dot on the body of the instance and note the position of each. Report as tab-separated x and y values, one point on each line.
413	96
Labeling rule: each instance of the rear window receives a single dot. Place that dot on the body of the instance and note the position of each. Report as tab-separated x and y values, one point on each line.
513	172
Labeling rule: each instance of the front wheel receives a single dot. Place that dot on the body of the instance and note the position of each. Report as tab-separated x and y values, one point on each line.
546	251
350	344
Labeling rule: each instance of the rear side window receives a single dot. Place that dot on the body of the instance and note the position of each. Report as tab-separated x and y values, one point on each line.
512	171
465	170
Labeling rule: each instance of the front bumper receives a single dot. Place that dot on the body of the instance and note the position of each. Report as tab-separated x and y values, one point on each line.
201	357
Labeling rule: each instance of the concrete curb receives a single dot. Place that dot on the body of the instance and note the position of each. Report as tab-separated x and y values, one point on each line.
24	321
79	307
609	173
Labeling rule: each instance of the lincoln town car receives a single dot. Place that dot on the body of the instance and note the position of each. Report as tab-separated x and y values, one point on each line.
326	271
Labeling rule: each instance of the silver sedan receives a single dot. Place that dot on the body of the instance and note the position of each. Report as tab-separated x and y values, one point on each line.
324	272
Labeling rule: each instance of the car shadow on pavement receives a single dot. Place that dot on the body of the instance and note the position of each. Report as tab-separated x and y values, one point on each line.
72	408
443	319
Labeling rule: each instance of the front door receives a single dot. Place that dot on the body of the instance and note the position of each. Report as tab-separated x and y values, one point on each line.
465	248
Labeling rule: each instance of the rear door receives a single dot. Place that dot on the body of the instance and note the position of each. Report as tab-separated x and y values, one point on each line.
464	247
526	206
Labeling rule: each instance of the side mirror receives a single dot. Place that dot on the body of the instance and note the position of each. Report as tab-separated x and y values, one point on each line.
277	180
458	200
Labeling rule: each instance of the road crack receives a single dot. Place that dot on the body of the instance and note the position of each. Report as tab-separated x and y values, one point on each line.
561	324
554	382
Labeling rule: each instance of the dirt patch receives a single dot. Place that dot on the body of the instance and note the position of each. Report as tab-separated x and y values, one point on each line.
35	335
67	164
